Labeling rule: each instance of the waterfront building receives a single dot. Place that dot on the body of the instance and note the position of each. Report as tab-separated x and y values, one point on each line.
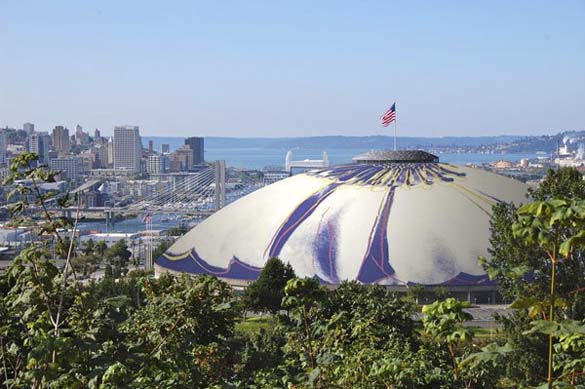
71	167
112	237
503	164
196	144
39	142
395	218
127	148
61	141
270	177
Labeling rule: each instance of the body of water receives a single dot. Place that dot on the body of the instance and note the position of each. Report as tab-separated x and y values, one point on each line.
258	158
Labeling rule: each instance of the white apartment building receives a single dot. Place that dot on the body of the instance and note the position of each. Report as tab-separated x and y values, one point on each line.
127	148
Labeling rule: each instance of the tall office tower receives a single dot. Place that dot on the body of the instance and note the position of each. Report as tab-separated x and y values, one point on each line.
29	128
97	135
127	148
150	146
61	141
38	142
165	148
2	148
196	145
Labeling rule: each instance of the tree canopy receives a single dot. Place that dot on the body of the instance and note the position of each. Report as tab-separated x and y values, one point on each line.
267	292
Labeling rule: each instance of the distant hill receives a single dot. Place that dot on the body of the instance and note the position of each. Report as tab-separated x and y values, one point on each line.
341	142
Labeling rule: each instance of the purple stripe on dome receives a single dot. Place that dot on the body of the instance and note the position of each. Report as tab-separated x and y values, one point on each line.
376	262
297	217
395	174
367	174
194	264
490	196
325	248
448	169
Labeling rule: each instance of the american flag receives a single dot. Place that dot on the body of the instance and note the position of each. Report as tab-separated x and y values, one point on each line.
389	116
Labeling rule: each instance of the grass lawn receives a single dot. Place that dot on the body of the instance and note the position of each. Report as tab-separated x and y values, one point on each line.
253	324
485	334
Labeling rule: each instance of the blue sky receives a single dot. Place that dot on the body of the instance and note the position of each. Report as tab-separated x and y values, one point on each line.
294	68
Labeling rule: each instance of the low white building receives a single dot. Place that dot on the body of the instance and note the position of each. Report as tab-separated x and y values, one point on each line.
111	238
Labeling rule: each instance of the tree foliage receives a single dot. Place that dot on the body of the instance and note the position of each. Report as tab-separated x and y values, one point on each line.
537	255
266	293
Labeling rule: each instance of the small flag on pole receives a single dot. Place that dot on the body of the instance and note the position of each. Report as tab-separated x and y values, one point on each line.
389	116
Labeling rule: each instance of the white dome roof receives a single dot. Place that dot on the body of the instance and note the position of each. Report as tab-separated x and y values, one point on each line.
392	223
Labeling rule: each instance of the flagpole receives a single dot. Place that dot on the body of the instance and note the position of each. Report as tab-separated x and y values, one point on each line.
395	120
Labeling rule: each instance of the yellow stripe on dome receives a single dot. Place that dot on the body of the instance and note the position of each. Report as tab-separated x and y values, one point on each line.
176	257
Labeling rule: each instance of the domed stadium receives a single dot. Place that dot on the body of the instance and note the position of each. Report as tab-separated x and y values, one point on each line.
395	218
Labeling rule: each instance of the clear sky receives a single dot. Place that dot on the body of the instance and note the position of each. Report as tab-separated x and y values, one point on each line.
294	68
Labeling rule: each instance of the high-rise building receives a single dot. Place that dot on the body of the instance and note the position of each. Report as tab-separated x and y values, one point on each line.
97	135
181	159
196	144
100	155
39	142
127	148
110	151
165	148
154	164
2	148
150	146
81	137
70	167
29	128
61	141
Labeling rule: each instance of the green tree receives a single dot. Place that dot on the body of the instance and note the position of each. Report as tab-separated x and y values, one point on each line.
557	226
443	320
88	247
565	183
119	250
100	248
523	270
161	249
266	293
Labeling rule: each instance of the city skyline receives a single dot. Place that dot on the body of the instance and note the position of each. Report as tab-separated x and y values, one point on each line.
257	69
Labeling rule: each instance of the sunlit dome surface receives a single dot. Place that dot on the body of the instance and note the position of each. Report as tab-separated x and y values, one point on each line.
393	218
